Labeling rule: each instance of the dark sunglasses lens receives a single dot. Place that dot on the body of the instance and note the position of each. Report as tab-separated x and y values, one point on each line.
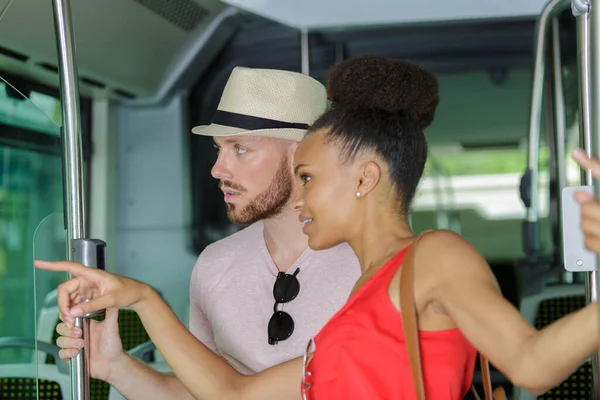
286	288
281	326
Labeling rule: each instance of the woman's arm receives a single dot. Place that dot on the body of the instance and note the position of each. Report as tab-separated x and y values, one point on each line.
204	374
467	290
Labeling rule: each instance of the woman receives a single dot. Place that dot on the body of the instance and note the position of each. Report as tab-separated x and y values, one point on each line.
359	168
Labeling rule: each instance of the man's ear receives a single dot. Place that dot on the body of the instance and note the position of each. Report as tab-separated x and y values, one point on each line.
292	149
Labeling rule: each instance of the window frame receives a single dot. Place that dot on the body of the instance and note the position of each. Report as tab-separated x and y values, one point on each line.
42	143
22	138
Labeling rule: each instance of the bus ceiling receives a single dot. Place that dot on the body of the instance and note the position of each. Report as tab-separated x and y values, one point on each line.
336	14
128	49
142	51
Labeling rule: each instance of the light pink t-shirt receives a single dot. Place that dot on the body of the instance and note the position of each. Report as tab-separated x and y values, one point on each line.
232	301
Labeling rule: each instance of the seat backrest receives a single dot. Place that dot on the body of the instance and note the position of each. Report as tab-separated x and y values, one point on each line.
18	381
541	310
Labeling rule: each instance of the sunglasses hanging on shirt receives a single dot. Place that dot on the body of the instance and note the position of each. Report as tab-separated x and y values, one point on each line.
281	324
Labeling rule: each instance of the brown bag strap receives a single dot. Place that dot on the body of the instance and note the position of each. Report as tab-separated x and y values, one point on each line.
411	331
409	319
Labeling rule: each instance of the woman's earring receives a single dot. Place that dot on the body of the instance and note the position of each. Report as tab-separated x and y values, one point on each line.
357	194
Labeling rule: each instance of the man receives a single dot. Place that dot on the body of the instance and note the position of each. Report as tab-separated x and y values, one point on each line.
258	296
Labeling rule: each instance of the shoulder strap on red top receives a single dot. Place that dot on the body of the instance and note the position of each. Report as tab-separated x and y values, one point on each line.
411	330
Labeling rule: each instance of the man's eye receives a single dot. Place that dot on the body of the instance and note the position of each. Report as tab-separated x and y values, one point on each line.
240	150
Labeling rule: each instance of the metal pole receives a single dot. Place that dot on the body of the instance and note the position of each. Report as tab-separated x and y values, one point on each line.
304	52
558	106
73	169
585	86
585	141
530	181
585	115
443	219
588	24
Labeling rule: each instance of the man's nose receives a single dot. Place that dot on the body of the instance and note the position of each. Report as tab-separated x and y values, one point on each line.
221	169
298	200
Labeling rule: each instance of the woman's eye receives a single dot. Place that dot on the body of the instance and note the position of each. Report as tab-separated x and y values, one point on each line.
305	178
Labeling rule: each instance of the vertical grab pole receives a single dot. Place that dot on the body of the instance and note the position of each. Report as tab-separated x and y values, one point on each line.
581	12
72	163
585	116
558	106
304	52
529	187
593	54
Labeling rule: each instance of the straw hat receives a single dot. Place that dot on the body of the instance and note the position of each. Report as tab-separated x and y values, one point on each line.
266	102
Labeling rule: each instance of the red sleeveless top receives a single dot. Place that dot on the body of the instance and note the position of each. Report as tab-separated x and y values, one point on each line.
361	354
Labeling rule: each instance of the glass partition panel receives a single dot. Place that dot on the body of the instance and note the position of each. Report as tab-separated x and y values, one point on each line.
31	226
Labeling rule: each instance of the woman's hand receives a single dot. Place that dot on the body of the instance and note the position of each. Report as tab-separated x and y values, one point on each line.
590	208
92	290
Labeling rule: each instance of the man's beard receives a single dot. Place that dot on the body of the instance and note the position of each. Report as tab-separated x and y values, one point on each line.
268	204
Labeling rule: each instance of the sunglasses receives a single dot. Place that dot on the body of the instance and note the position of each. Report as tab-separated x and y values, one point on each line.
281	324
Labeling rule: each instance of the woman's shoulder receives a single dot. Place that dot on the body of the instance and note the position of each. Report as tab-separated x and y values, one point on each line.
443	243
444	253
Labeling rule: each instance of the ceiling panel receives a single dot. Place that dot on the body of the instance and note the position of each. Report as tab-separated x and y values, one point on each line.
131	47
319	14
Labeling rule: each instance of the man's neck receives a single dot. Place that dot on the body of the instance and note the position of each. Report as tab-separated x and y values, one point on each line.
285	240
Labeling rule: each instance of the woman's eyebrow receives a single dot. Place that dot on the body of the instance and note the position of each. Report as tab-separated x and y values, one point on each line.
298	167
